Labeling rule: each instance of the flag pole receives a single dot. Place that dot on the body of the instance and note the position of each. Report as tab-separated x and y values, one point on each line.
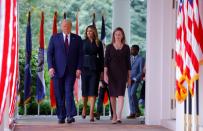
25	109
38	109
185	115
189	111
93	19
51	111
197	106
64	15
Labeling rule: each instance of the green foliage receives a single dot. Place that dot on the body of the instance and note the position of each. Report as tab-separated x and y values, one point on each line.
86	9
45	108
31	106
33	66
138	23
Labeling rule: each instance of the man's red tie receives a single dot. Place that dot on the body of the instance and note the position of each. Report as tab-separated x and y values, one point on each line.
66	41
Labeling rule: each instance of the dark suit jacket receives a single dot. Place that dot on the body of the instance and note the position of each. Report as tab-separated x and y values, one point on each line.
59	58
93	56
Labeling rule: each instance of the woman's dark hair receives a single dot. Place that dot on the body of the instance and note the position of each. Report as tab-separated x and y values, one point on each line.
95	33
121	30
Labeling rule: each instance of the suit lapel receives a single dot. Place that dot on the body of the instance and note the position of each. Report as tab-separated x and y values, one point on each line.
62	41
72	39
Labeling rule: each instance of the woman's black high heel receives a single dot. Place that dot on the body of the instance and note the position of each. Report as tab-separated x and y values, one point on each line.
92	120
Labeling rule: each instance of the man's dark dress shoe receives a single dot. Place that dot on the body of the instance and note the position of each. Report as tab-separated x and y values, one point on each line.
70	120
97	116
131	116
61	121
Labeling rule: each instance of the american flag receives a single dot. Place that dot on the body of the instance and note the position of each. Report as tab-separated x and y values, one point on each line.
8	55
189	47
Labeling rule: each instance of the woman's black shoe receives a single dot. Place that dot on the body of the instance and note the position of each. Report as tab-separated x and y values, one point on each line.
119	121
92	120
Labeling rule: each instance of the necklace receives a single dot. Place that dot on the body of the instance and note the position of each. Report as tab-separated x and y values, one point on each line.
118	46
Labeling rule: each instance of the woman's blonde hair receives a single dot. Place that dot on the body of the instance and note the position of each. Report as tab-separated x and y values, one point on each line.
95	37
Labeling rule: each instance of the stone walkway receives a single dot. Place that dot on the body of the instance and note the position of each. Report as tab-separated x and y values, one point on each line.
44	123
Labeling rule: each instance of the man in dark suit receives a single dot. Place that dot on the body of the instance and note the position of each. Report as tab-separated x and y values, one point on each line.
64	56
137	63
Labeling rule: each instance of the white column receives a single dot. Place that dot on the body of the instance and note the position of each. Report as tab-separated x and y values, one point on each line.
121	18
159	63
153	62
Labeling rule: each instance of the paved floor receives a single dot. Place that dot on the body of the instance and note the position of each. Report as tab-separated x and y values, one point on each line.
35	123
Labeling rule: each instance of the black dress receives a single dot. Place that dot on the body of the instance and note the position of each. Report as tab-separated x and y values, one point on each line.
118	64
93	65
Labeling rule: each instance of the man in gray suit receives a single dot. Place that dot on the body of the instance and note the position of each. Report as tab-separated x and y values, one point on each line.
137	63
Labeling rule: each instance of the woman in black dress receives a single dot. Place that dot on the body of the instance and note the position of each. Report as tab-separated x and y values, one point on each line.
93	65
117	71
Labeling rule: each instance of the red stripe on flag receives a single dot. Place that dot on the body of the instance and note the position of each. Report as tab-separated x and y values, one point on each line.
179	62
14	64
41	34
179	33
198	32
190	52
105	102
4	77
52	96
